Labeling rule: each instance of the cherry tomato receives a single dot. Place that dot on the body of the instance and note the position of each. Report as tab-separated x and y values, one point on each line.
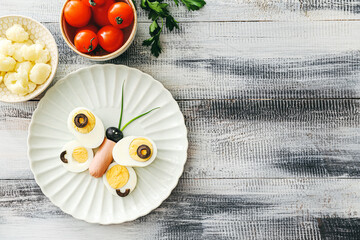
120	15
101	13
110	38
88	27
94	3
77	14
86	41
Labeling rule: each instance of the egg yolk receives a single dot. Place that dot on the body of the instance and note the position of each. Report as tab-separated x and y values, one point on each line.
89	126
117	176
135	144
80	154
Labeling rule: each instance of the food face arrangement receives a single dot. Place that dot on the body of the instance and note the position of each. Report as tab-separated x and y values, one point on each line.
119	177
23	63
98	22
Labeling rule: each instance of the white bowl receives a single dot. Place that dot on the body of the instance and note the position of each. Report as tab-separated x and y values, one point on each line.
36	31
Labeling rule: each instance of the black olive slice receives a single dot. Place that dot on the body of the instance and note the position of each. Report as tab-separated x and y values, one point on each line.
62	157
141	148
114	134
124	194
77	120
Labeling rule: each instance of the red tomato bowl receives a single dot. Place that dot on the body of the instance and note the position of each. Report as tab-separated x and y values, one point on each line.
68	32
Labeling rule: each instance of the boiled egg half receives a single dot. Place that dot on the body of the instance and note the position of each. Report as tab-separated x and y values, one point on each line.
86	127
75	157
134	151
120	180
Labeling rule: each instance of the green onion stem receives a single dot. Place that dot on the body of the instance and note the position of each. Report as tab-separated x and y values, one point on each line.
122	129
122	104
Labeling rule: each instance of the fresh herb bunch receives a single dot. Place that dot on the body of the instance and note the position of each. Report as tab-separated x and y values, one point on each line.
159	13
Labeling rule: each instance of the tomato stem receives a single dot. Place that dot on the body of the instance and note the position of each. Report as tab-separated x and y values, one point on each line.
92	3
91	46
119	20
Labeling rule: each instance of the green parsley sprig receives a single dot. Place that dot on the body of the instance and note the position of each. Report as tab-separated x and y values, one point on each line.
158	11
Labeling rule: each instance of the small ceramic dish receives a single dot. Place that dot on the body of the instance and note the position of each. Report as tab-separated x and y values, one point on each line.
68	32
36	31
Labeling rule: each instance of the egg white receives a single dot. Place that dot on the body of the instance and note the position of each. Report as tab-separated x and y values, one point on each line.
131	184
92	139
72	165
122	156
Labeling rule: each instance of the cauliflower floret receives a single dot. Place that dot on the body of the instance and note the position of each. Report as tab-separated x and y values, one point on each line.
31	87
18	53
17	33
24	68
2	75
30	53
7	64
44	56
34	52
40	43
6	47
40	72
18	83
29	42
18	56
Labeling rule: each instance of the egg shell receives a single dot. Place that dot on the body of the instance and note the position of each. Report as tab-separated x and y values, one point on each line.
92	139
121	153
72	165
131	184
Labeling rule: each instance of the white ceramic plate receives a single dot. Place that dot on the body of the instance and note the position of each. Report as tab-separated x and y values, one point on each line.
99	89
36	31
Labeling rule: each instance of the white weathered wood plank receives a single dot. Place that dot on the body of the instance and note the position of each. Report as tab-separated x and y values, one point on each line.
220	10
247	60
237	139
198	208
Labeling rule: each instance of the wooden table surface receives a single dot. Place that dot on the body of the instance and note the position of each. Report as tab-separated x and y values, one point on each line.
270	90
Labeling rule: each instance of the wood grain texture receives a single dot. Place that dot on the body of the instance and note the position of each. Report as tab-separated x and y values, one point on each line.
220	10
270	93
238	138
339	228
199	208
245	60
